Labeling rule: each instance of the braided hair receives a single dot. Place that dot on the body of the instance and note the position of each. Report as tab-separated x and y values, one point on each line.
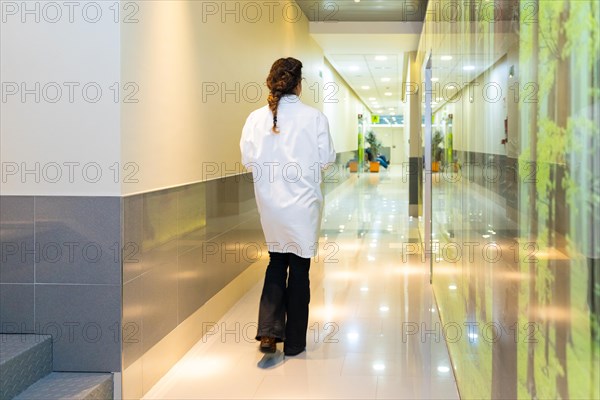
285	75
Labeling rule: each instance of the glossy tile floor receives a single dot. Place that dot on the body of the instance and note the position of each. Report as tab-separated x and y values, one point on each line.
374	328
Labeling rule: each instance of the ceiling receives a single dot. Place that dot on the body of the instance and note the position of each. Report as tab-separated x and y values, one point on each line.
375	78
364	10
366	43
456	61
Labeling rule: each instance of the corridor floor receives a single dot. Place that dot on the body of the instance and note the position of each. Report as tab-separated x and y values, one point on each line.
374	330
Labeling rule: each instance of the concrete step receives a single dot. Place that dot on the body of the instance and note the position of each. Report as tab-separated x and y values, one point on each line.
24	359
70	386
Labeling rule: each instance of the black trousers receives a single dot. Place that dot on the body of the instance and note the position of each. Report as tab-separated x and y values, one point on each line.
283	296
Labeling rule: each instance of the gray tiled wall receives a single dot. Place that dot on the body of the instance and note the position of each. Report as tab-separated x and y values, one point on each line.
16	233
60	274
337	174
495	172
71	265
191	241
505	176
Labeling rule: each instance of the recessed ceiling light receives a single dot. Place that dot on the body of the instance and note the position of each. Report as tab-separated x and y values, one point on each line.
435	79
372	98
386	79
381	58
365	87
388	93
451	87
357	1
469	67
446	58
379	367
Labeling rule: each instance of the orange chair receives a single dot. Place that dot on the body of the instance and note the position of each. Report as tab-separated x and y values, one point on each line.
374	166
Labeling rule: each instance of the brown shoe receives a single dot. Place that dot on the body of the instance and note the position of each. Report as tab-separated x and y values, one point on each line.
268	344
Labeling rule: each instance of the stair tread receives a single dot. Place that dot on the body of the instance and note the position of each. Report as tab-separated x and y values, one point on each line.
70	385
12	345
24	358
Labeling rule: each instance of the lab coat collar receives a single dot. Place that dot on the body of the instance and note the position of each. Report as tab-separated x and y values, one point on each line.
290	98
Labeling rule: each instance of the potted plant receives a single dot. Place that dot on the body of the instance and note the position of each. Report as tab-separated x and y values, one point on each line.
374	148
436	151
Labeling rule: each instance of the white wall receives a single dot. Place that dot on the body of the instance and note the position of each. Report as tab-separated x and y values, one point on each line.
394	137
479	124
166	128
65	138
342	107
181	49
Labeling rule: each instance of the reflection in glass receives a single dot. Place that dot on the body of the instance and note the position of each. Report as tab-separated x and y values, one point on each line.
517	198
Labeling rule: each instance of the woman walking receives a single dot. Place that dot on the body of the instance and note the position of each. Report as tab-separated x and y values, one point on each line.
286	145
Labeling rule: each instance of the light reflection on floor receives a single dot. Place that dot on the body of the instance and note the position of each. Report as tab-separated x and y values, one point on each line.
372	332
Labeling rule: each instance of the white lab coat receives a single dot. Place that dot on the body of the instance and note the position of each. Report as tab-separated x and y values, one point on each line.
287	169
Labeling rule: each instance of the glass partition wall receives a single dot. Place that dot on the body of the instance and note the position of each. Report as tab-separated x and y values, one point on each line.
516	199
